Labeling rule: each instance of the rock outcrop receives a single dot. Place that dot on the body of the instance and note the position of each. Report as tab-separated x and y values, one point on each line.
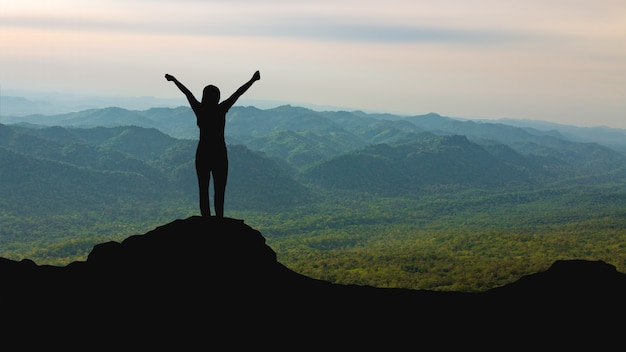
199	280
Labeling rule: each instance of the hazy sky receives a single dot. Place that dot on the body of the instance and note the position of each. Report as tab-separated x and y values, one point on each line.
555	60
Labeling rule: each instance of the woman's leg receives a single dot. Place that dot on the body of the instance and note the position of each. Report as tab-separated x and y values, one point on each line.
220	175
204	176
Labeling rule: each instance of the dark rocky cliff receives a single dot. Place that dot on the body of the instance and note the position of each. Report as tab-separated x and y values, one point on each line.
196	281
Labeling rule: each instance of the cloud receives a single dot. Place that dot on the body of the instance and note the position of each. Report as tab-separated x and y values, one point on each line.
319	29
389	34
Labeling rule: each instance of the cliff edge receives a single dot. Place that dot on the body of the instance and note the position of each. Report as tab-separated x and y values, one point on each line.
198	279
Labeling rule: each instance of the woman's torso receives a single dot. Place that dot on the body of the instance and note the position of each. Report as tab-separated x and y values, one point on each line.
211	122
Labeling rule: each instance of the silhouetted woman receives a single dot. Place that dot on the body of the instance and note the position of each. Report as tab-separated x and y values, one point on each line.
211	155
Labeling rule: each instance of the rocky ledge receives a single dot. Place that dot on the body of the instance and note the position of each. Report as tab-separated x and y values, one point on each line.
199	279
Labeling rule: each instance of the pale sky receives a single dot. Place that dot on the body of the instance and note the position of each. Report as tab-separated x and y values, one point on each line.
562	61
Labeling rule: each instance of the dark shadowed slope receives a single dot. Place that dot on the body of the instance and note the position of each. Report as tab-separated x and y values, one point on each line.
199	281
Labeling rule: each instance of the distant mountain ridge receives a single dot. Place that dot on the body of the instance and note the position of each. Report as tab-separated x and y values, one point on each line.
325	154
253	122
295	147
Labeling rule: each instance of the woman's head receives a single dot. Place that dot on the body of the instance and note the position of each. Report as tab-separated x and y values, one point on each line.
211	94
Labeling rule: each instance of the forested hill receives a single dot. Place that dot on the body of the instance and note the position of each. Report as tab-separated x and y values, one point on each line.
96	168
99	165
198	280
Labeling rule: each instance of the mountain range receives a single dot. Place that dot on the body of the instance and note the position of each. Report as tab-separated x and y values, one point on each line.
311	143
374	153
179	122
311	179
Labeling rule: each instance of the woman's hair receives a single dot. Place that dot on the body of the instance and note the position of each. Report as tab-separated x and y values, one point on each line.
211	94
